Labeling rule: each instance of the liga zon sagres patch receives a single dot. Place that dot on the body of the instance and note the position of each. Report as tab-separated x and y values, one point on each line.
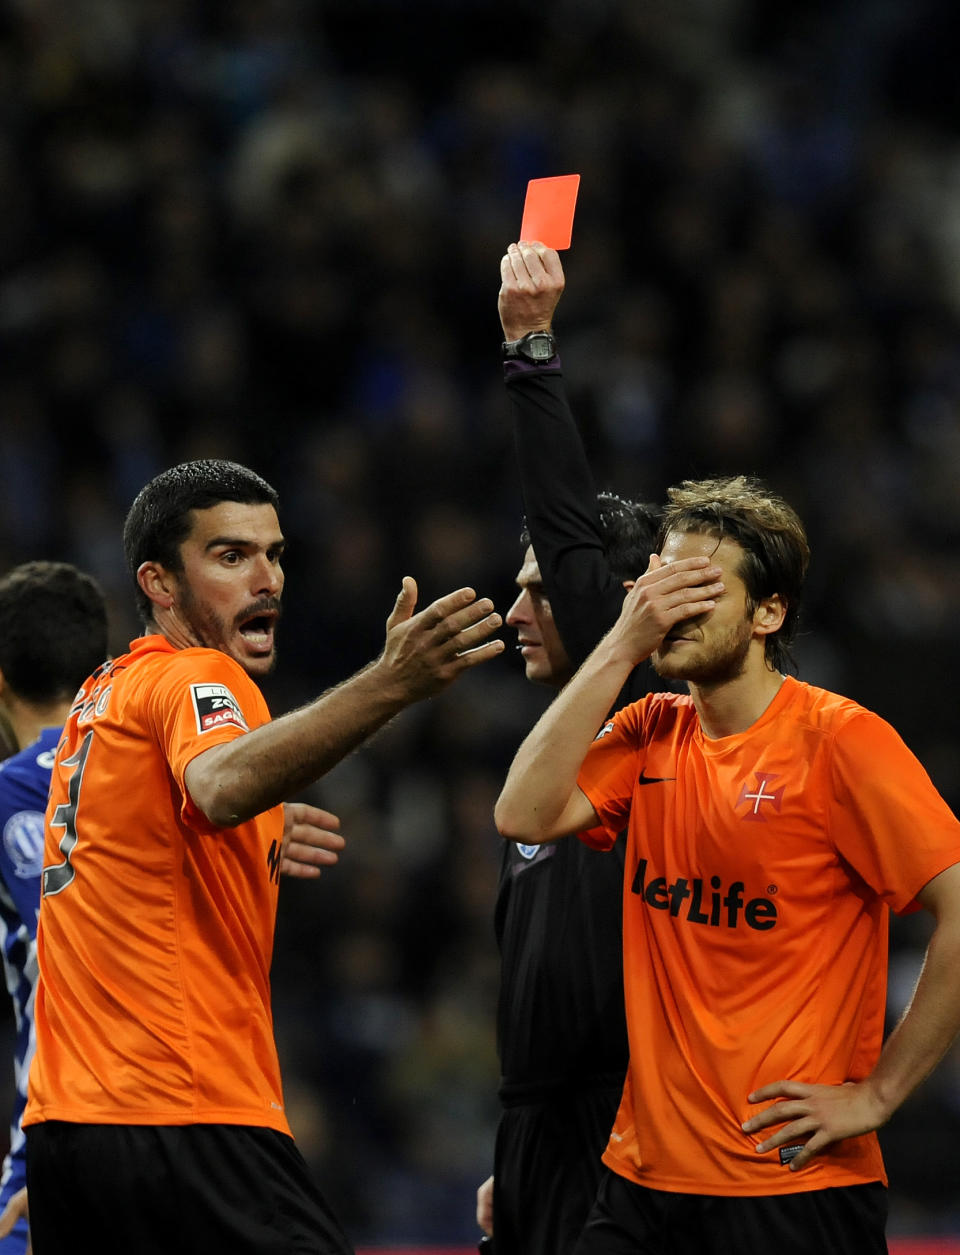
214	705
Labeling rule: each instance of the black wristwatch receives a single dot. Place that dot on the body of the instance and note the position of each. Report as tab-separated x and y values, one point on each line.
538	347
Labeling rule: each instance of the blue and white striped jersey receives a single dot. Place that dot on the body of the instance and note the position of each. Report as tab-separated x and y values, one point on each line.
24	785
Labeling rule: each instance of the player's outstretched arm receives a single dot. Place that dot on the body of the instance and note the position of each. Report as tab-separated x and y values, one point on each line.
423	653
819	1115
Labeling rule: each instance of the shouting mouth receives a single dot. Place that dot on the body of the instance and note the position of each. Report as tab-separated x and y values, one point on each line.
257	629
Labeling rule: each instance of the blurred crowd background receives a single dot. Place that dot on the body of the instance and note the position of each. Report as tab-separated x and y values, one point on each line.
270	230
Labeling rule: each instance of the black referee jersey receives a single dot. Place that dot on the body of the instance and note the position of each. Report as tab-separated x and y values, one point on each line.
560	1020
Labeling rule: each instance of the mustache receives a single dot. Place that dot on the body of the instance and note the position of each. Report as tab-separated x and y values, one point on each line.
264	605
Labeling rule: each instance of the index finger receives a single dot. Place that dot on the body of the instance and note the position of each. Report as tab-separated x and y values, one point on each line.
779	1089
683	564
684	572
317	817
549	258
434	614
524	264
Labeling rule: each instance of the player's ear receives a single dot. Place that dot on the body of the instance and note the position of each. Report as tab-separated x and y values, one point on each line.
158	583
769	615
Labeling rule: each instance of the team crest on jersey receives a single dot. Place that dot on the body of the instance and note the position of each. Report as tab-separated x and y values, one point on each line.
759	794
23	843
529	856
214	706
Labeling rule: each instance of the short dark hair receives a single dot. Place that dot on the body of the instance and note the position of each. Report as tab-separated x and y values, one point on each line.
159	520
629	530
776	552
53	630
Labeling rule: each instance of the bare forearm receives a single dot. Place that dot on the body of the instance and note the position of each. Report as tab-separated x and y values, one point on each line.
929	1025
255	772
540	799
422	654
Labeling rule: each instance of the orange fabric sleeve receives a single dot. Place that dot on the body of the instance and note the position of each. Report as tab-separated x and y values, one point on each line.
880	787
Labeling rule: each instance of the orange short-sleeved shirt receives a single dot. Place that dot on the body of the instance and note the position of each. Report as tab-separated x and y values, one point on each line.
156	928
759	869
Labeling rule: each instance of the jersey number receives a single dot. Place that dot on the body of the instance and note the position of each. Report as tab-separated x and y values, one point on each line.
57	877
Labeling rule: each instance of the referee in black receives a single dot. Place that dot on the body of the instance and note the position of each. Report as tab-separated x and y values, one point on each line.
561	1033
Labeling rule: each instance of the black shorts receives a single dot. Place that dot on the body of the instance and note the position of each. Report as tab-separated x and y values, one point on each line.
547	1168
169	1190
629	1219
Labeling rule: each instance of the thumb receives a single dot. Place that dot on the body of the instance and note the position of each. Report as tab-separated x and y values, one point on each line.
405	604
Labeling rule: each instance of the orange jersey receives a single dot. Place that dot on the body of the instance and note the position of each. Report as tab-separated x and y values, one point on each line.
759	869
156	928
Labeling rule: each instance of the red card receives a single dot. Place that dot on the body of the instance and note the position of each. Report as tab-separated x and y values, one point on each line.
548	210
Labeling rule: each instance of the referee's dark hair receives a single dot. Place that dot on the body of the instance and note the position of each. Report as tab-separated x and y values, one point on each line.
629	530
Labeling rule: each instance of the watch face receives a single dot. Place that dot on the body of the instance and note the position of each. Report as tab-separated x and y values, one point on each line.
540	348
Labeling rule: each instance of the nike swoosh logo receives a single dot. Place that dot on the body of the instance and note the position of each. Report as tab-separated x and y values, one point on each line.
643	778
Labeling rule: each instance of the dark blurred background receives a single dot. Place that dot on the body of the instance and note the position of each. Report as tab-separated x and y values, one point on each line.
270	230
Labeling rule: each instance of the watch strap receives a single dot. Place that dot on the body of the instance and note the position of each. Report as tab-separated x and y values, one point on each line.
523	349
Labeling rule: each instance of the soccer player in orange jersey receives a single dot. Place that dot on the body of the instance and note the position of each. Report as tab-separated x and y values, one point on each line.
771	824
155	1120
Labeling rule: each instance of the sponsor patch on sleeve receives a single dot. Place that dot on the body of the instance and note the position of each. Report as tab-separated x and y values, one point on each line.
214	705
